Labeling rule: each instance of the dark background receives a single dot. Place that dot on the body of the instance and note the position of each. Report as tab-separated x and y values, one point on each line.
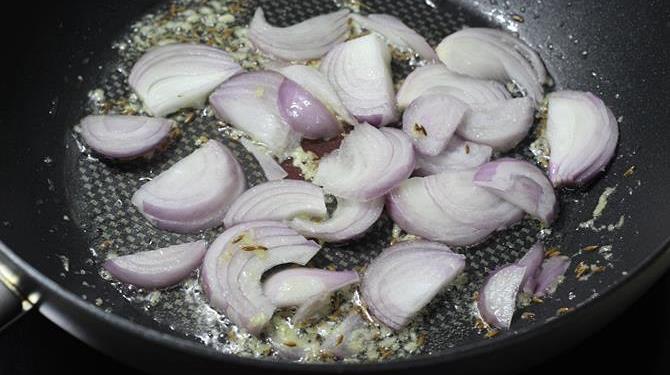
640	337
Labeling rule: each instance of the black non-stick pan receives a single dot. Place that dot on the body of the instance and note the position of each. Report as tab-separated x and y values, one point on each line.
62	211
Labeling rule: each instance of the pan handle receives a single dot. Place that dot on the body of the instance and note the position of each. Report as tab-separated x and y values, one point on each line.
12	305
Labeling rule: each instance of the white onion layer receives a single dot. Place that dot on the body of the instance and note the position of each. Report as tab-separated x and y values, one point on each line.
195	193
296	286
459	154
175	76
360	72
306	40
124	137
368	164
272	170
497	299
431	120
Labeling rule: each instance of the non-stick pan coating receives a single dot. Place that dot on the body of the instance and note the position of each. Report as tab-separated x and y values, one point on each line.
74	207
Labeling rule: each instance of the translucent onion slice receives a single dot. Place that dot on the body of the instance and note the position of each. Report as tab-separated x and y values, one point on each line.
278	201
248	102
532	260
501	125
360	72
520	183
369	163
431	120
305	113
434	78
494	54
449	208
397	33
317	84
124	137
306	40
405	277
176	76
296	286
195	193
582	134
497	299
158	268
349	220
236	261
459	154
272	170
551	274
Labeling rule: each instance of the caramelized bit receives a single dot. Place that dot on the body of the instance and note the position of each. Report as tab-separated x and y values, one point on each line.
467	148
420	130
254	248
290	344
596	269
552	252
590	249
629	172
536	300
528	316
339	340
238	238
491	333
564	310
581	270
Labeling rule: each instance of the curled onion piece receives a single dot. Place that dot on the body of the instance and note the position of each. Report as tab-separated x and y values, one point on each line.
176	76
532	260
278	201
306	40
348	338
497	299
272	170
437	78
248	102
295	286
360	72
158	268
520	183
431	120
459	154
397	33
317	84
233	266
492	54
501	125
305	113
582	134
449	208
195	193
124	137
551	274
369	163
349	220
405	277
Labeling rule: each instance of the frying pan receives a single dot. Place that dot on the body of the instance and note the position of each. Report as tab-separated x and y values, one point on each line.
57	207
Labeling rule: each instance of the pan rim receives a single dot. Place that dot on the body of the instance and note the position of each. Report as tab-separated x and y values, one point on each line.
468	350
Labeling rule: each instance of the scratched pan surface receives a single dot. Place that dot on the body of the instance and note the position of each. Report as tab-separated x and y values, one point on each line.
79	209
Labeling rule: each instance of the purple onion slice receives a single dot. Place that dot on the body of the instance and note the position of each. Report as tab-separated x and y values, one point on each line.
125	137
305	113
295	286
431	120
458	155
497	299
551	274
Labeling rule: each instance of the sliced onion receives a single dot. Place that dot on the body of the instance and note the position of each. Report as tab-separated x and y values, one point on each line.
125	137
397	33
405	277
305	113
278	201
492	54
369	163
195	193
248	102
360	72
501	124
176	76
431	120
582	134
348	338
459	154
551	274
532	260
497	299
272	170
317	84
520	183
436	78
235	262
349	220
306	40
296	286
313	308
158	268
449	208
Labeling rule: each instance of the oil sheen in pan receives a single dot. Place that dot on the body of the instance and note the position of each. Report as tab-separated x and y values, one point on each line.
103	194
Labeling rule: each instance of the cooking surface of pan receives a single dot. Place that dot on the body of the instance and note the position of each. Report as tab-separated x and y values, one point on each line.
79	207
